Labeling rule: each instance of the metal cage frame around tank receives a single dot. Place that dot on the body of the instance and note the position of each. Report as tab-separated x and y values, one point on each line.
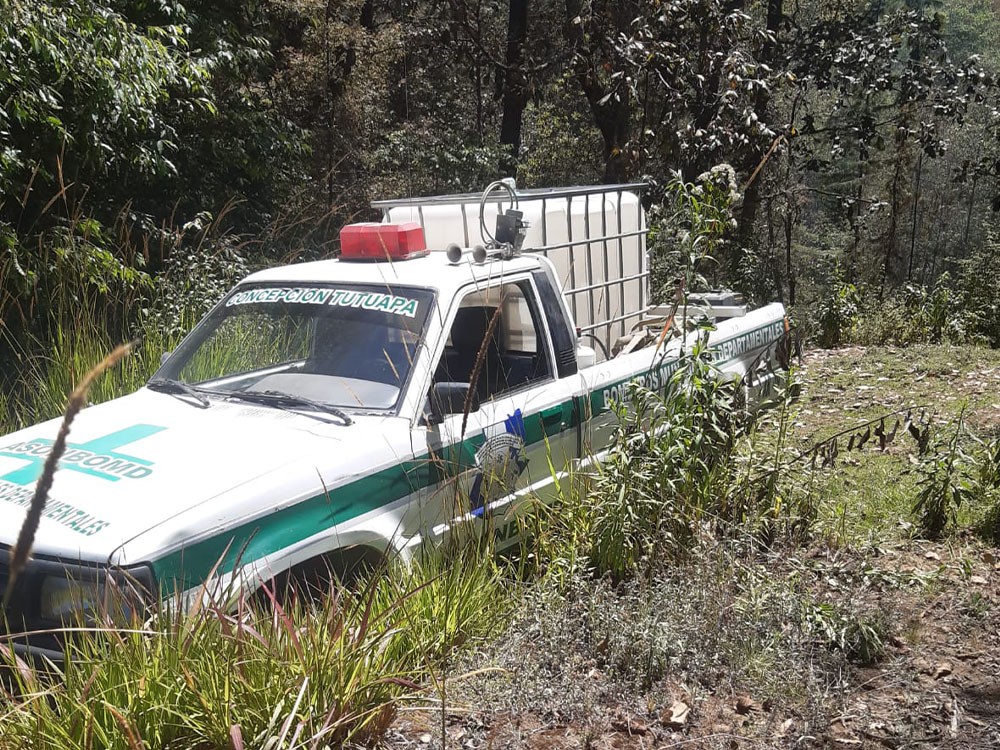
584	291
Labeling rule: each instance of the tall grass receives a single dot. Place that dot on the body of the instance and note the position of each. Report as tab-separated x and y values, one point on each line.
49	371
264	675
72	288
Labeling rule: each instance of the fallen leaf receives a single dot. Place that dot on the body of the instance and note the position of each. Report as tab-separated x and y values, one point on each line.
783	729
897	643
425	739
932	555
627	726
838	726
988	557
676	716
865	437
942	670
977	579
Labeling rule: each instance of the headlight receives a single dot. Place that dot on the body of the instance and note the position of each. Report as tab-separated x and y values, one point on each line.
63	599
119	595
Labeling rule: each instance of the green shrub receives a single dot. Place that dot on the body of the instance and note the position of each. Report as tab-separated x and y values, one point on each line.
680	464
912	315
689	232
985	487
196	275
837	313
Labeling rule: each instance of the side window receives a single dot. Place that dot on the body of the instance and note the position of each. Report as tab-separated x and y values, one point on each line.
500	330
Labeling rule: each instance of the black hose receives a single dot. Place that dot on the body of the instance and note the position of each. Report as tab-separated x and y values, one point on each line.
604	348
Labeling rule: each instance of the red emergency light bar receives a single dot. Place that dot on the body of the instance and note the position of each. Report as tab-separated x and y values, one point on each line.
373	241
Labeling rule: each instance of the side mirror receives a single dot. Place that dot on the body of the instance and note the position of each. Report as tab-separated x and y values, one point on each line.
450	398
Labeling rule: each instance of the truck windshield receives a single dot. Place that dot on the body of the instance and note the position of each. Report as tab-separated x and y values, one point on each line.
343	345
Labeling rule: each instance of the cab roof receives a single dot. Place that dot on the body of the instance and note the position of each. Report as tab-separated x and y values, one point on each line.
433	271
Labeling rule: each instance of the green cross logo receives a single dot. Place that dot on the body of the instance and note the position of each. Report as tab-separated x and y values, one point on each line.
97	458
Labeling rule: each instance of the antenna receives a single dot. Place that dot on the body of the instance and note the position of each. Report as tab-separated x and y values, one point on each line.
406	119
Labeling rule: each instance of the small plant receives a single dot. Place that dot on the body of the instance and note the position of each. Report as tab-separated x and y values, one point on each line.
976	605
765	496
860	637
665	468
945	482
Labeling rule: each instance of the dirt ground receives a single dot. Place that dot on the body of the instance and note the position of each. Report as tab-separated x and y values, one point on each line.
938	685
935	682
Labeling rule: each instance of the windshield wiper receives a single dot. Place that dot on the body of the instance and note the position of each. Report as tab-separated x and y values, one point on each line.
291	402
178	388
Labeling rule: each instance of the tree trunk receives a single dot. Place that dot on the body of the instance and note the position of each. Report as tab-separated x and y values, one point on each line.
968	213
612	115
770	49
913	218
854	219
894	208
789	269
514	85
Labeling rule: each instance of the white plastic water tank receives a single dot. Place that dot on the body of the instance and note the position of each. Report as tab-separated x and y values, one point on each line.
594	238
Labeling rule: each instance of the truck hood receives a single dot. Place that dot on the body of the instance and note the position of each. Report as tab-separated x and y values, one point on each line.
134	462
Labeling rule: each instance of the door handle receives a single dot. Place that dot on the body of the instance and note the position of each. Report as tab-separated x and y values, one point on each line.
553	417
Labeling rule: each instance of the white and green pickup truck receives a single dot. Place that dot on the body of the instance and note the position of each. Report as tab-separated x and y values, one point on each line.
352	409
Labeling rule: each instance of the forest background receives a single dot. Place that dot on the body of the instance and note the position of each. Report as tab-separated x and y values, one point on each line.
152	152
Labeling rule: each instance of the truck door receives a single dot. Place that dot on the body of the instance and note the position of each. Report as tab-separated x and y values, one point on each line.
526	430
